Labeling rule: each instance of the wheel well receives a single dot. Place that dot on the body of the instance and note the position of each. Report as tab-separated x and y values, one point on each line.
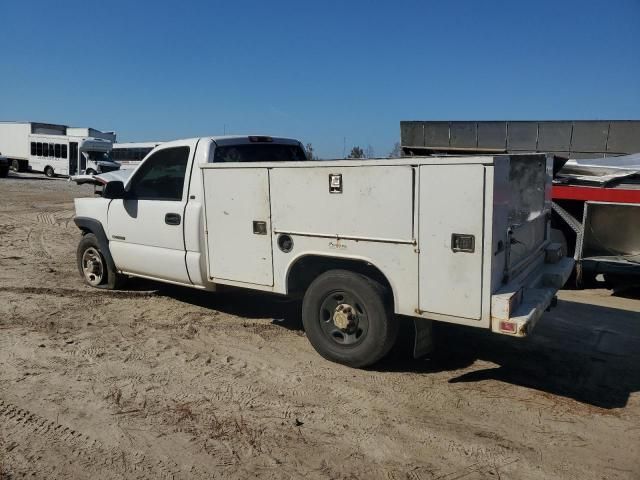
575	208
91	225
307	268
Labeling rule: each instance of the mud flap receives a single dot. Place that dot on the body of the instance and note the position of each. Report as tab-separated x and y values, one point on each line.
423	339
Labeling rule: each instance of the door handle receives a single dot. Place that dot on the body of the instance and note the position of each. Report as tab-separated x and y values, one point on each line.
172	219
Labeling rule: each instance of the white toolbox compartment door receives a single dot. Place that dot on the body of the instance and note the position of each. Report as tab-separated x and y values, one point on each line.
239	225
451	218
375	203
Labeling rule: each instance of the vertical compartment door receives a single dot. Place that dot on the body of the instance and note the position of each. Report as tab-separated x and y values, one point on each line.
451	220
239	225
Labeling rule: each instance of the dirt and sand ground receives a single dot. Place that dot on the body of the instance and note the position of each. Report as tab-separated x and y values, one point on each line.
166	382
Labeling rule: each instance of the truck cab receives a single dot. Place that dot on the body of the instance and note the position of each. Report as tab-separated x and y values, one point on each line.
95	156
164	193
460	240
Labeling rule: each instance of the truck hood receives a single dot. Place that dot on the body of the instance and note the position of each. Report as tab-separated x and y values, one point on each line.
102	178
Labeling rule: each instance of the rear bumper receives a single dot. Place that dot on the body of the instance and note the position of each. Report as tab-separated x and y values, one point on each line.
518	305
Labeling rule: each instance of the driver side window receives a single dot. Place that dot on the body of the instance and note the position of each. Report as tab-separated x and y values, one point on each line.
161	177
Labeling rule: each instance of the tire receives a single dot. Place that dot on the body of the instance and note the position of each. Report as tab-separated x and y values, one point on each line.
614	281
48	171
93	267
15	165
348	318
4	171
90	171
558	236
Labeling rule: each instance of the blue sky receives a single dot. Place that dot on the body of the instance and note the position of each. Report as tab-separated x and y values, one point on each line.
317	71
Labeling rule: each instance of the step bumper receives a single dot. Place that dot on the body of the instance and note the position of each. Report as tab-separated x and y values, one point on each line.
518	305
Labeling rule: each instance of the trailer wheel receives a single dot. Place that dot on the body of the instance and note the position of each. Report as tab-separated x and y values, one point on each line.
92	266
15	165
348	318
49	172
558	236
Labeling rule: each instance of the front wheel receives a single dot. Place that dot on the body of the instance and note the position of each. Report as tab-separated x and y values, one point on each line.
348	318
48	172
93	267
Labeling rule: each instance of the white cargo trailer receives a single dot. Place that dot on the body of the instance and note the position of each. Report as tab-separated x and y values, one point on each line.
56	149
14	140
460	240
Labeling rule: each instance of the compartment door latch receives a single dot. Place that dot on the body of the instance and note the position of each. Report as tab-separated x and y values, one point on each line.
462	242
259	228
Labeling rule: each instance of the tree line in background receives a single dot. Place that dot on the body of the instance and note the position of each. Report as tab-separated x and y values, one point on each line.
357	152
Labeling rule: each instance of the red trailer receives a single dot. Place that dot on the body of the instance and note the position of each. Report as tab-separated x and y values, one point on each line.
597	218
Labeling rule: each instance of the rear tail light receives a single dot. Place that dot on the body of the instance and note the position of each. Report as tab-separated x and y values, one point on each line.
508	327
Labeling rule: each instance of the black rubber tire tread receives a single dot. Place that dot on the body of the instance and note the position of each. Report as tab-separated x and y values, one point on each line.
49	172
113	280
383	327
558	236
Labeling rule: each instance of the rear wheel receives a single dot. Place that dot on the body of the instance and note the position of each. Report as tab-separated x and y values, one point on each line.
15	165
93	267
348	318
558	236
49	172
615	281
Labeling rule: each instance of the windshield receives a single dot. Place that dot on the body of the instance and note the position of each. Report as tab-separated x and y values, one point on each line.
262	152
99	156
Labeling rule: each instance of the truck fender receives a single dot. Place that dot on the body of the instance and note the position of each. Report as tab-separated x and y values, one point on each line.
329	262
91	225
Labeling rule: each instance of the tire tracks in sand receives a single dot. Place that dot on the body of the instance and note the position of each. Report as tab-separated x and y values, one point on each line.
33	435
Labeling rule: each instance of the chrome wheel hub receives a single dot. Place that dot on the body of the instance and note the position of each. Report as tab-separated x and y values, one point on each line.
92	266
344	316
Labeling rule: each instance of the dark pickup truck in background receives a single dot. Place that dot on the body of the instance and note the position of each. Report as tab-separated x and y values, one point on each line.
4	166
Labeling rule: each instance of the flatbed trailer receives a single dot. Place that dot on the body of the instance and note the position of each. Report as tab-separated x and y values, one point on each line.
601	228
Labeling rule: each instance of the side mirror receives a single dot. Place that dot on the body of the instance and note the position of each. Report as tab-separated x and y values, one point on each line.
114	189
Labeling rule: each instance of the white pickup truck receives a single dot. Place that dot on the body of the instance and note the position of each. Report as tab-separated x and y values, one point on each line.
462	240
